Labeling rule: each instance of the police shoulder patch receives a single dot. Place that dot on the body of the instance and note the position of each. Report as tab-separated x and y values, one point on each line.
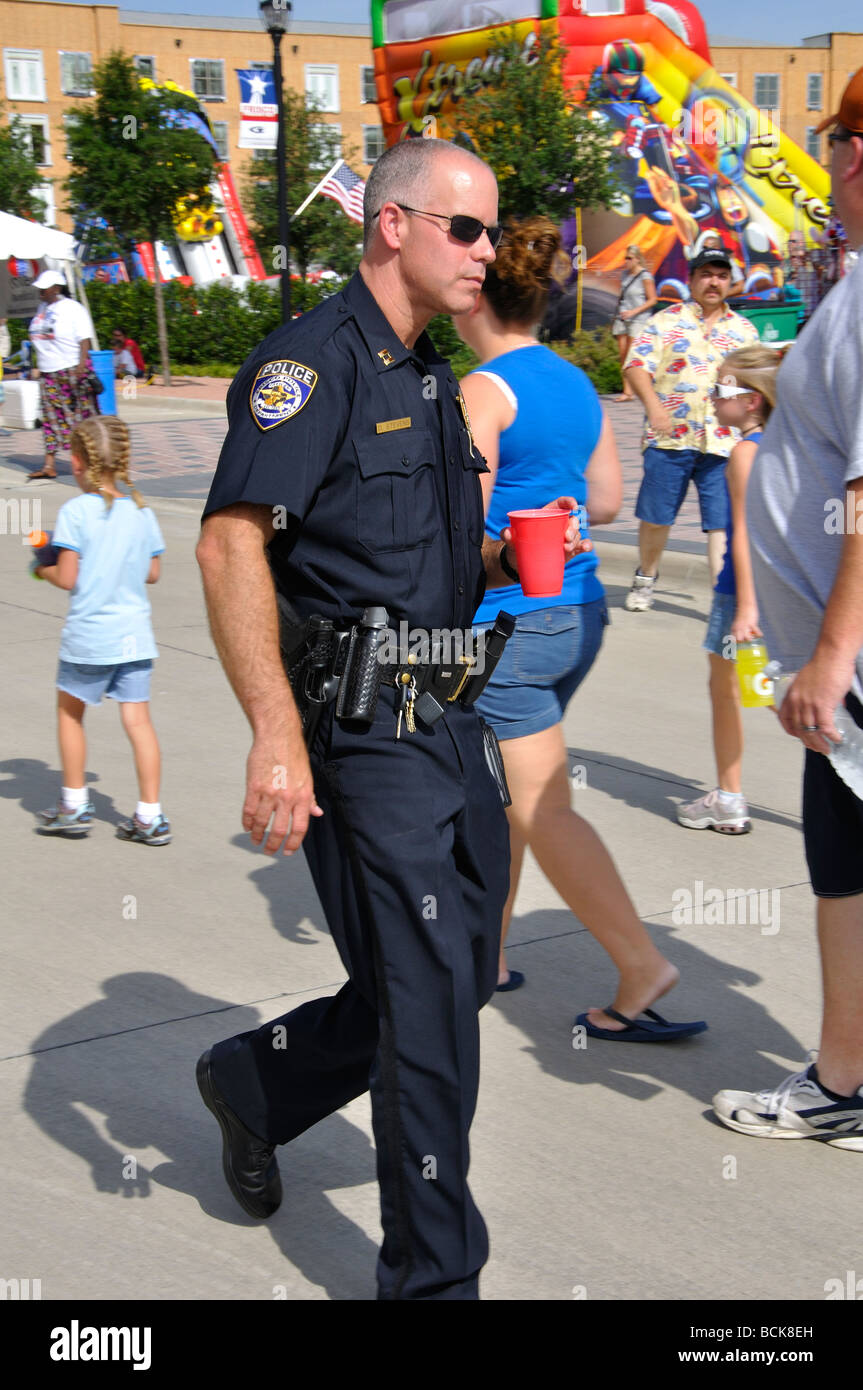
280	390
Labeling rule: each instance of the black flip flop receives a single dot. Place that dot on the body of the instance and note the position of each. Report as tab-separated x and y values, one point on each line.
659	1030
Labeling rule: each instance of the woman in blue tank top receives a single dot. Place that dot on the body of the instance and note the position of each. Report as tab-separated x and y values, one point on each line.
540	425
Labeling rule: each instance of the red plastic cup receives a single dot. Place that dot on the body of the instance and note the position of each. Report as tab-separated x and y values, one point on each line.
539	538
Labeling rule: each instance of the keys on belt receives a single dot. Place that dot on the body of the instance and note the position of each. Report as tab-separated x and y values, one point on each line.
326	664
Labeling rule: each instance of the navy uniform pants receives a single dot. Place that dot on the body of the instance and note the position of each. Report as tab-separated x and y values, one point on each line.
411	863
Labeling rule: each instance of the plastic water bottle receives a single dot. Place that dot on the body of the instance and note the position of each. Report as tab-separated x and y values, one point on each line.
846	756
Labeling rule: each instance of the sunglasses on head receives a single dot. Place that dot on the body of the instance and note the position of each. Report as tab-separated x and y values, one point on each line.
465	229
723	391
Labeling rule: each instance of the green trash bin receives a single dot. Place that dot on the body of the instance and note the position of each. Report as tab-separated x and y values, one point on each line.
776	323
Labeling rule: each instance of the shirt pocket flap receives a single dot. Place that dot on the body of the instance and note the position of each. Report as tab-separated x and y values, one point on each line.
402	452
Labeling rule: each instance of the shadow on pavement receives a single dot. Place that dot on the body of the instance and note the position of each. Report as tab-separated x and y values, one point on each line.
130	1057
287	886
616	594
36	786
728	1055
646	788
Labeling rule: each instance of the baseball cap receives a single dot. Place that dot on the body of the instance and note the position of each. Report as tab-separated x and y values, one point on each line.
850	113
47	279
712	256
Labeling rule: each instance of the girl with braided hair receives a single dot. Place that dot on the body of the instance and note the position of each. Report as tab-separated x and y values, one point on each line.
107	552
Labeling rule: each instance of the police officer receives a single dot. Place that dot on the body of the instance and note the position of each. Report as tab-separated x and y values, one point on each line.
349	478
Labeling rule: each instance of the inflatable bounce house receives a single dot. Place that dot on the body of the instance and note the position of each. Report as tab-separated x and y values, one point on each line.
695	157
212	238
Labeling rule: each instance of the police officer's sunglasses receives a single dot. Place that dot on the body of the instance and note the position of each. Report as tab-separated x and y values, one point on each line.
465	229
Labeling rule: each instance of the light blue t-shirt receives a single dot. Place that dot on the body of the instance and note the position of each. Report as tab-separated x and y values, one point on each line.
109	613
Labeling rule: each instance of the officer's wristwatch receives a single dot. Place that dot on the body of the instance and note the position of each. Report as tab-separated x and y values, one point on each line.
506	566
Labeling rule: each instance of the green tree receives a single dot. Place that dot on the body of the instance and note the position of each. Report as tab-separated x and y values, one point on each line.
549	154
19	172
132	160
324	233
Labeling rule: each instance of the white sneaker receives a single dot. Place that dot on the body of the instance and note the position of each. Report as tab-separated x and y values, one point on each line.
711	812
797	1109
640	596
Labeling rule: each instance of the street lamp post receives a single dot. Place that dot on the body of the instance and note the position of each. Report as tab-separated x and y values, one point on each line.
276	18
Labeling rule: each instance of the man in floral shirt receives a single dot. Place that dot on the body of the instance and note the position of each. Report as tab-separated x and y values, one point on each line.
672	367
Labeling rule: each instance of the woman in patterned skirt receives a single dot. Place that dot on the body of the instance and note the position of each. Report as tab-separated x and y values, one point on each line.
62	334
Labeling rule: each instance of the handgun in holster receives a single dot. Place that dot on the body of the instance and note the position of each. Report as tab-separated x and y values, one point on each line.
308	654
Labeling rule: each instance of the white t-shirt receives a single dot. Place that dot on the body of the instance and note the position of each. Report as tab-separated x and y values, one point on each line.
124	362
56	333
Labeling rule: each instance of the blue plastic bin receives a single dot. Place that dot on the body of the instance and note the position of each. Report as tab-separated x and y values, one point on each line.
103	366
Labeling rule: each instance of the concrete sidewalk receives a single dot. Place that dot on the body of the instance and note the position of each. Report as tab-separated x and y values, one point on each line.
597	1169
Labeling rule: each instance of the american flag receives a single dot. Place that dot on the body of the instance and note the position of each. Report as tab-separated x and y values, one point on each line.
347	188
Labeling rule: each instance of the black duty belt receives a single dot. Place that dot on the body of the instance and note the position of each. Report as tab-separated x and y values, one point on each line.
325	662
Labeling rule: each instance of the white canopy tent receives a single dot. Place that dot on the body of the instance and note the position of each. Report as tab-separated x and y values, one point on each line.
30	241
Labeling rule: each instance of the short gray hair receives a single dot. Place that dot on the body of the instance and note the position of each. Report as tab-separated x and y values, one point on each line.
401	174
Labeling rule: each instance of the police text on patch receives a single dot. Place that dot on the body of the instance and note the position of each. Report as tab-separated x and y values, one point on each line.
280	390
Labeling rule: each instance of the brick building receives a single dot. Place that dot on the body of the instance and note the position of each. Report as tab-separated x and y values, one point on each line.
49	48
801	85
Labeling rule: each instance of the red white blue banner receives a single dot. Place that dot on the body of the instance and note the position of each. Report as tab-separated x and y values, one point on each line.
259	112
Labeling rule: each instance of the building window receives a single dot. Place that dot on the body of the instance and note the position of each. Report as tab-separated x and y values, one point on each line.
145	66
368	91
730	78
329	144
76	74
220	133
70	119
208	78
45	191
25	75
766	94
322	85
813	143
373	143
35	131
260	67
814	85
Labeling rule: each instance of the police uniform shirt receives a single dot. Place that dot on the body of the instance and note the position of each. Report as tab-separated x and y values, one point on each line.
362	447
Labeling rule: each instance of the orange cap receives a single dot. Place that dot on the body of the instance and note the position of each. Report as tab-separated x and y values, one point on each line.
850	113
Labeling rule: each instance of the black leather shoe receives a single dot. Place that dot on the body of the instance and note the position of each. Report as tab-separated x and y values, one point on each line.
249	1165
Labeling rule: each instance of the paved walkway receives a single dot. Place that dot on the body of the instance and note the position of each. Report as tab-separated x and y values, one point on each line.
600	1172
175	456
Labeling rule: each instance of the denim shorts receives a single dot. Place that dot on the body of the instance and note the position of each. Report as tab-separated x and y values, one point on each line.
543	664
667	473
719	625
128	681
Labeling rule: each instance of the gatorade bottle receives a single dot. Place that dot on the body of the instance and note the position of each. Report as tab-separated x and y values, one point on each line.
755	688
847	756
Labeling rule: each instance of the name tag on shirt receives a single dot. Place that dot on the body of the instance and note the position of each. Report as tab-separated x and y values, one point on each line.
387	426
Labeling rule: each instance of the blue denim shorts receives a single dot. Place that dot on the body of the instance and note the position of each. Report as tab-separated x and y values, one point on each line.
667	473
719	623
543	664
128	681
